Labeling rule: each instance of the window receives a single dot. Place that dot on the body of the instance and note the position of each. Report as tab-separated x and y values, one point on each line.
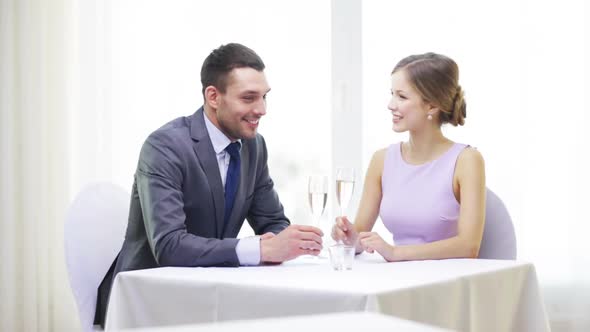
158	48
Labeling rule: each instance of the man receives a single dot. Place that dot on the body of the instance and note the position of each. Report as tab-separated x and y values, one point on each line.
200	176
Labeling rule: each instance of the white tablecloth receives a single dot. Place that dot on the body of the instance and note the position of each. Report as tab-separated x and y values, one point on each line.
458	294
341	322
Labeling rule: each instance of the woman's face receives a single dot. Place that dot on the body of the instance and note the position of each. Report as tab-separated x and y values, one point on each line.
409	110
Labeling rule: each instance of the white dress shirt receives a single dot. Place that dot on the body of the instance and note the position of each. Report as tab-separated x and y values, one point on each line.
248	249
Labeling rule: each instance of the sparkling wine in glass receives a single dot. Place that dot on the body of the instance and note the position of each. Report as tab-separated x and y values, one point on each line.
344	187
318	196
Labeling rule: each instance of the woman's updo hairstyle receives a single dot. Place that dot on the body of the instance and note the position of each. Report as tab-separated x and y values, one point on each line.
436	78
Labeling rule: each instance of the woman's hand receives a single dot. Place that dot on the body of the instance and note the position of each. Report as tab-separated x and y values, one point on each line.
344	231
371	242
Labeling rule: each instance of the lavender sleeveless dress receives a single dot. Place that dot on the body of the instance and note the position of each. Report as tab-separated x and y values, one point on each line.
418	204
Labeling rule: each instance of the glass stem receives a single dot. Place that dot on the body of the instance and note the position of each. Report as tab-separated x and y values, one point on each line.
342	215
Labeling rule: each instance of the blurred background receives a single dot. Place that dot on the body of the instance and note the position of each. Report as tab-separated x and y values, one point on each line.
83	82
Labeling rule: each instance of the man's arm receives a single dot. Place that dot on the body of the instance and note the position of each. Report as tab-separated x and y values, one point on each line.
159	181
266	213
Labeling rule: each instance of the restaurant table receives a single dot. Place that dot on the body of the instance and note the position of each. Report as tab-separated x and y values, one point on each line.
457	294
341	322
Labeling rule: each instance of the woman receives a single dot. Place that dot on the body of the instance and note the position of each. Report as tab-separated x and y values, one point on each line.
428	191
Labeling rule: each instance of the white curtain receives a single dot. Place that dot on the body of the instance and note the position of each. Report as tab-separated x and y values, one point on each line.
38	48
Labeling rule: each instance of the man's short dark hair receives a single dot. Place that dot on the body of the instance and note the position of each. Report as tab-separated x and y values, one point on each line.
222	60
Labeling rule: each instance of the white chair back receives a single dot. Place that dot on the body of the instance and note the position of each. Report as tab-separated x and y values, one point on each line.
499	240
93	232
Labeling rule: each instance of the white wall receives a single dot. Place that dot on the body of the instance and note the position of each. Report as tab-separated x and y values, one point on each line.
152	55
523	65
85	81
523	68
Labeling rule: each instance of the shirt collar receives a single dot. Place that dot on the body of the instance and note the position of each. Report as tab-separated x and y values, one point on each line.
218	138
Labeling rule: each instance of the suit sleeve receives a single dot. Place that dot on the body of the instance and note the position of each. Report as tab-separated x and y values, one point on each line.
159	180
266	212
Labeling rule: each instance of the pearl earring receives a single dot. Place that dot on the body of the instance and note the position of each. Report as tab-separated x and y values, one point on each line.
429	116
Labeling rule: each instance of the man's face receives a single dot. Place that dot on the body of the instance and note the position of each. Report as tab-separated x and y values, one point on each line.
240	108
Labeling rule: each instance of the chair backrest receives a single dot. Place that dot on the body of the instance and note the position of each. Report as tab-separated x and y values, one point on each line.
93	232
499	240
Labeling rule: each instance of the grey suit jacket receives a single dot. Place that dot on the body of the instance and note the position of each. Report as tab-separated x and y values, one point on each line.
177	203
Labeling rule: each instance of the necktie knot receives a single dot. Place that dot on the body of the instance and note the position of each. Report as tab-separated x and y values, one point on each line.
233	149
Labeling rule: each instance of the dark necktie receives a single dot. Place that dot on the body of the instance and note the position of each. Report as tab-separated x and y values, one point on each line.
232	179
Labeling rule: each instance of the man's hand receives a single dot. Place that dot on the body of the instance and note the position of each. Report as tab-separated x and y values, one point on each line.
293	241
268	235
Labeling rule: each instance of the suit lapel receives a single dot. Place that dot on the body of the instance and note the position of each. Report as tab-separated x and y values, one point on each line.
208	160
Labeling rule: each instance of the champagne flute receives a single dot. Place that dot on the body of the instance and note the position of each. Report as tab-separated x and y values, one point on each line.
318	196
344	187
317	190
